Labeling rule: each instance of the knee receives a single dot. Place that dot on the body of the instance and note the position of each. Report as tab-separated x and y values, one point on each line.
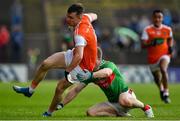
125	103
45	65
157	78
90	112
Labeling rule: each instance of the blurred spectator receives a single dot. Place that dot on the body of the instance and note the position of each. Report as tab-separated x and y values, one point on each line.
126	38
16	32
134	23
4	39
16	13
105	39
17	44
33	56
167	17
97	29
143	22
68	42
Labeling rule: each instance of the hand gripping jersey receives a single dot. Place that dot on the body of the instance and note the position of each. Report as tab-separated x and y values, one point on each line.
160	35
113	85
84	31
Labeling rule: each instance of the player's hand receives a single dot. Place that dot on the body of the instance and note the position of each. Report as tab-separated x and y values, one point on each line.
154	43
170	50
84	76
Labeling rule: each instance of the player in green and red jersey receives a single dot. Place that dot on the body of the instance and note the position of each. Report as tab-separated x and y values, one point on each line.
108	77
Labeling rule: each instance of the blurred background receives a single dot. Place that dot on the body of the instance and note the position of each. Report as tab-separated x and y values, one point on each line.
32	30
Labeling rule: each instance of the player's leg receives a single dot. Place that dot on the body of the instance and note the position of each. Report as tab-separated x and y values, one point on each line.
158	80
129	100
164	62
101	109
62	85
156	72
56	60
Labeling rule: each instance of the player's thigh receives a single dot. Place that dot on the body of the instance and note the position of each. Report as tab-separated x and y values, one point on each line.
101	107
56	60
164	64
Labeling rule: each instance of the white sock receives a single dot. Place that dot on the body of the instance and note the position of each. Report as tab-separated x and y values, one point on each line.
31	90
166	93
49	112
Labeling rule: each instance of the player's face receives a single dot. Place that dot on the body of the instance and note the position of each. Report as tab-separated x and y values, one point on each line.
72	19
157	19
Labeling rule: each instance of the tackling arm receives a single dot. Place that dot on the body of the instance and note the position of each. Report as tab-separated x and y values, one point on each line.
105	72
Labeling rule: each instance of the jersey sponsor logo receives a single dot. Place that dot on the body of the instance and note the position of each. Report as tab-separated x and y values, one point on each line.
105	82
159	41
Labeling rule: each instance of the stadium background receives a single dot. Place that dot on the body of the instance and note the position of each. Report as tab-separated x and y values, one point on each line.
42	32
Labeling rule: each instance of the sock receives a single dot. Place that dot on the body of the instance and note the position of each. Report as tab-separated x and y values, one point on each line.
33	86
166	92
146	107
31	90
49	112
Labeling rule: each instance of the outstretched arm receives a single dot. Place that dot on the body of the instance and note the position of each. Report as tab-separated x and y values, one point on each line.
105	72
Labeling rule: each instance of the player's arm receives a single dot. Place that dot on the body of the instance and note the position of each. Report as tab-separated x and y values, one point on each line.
73	93
87	75
105	72
80	43
170	42
145	42
92	16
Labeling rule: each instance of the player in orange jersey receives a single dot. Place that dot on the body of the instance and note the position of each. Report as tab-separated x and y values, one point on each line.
158	40
82	56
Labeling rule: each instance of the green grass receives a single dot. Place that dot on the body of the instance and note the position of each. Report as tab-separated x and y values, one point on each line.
15	106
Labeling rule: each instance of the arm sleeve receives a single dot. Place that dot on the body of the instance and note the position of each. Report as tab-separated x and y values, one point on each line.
79	40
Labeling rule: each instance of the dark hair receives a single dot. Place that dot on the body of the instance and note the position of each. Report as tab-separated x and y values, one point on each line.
77	7
157	11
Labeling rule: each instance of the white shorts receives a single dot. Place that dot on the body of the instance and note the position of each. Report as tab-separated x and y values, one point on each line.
72	75
122	111
155	67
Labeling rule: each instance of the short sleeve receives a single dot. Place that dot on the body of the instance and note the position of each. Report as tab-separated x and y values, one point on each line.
79	40
144	36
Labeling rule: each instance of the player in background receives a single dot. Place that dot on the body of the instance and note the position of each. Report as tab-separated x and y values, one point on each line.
158	40
75	60
108	77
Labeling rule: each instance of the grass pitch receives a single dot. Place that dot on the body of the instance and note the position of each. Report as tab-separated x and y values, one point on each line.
18	107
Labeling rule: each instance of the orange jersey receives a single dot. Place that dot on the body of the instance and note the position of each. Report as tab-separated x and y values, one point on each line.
85	29
161	35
